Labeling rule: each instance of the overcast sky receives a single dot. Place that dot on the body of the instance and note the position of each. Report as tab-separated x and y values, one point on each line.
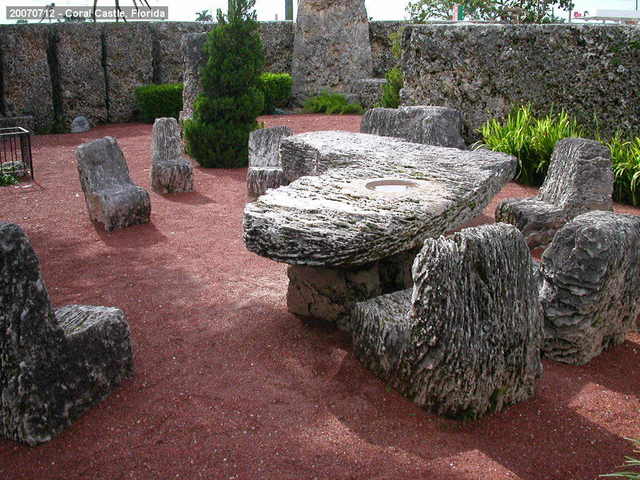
184	10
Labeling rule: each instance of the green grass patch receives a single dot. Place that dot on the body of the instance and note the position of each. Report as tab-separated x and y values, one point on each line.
332	104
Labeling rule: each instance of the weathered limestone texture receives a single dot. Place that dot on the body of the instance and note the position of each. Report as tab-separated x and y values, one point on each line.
129	65
330	216
466	340
194	58
169	64
383	59
171	170
53	365
265	170
440	126
579	179
277	40
82	78
26	74
112	198
591	286
329	293
485	70
369	91
331	48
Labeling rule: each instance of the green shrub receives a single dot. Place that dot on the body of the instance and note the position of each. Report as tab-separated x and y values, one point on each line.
6	180
157	101
225	113
530	139
391	90
332	104
276	88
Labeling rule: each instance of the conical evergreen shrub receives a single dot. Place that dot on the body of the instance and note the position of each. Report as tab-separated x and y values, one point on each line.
225	113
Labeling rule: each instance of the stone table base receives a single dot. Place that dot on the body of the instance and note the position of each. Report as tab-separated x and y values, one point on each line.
327	294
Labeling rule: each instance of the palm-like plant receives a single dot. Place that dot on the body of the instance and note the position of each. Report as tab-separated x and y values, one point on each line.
204	16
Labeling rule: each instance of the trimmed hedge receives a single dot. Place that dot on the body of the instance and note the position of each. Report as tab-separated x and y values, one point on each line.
277	90
157	101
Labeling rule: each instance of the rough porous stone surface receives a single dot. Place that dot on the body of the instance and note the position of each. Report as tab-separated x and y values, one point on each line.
591	286
485	70
264	160
277	40
129	49
331	48
168	62
328	294
264	146
26	74
194	59
466	340
82	78
440	126
53	366
80	124
112	198
261	179
328	217
369	91
171	170
579	179
383	59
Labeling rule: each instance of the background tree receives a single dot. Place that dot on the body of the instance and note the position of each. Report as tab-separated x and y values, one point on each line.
506	11
204	16
225	113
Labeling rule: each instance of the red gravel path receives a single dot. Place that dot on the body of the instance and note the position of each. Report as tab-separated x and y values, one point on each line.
229	385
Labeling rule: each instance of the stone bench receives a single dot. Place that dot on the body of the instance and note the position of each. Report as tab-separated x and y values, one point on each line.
265	169
579	179
465	340
171	171
590	285
54	365
337	224
112	198
440	126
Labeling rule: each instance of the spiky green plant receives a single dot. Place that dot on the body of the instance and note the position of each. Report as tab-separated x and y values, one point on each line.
625	157
530	139
630	462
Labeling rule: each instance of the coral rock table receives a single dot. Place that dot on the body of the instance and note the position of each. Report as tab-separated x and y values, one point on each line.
357	209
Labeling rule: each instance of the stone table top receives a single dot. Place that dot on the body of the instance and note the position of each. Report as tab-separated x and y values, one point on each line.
329	217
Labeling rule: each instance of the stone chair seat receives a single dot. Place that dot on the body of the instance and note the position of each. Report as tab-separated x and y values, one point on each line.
579	179
590	286
171	170
466	339
265	168
53	365
111	197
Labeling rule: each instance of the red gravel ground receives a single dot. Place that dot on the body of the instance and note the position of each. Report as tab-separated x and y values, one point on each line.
229	385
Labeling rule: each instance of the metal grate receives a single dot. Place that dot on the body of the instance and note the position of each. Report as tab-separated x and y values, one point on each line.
15	152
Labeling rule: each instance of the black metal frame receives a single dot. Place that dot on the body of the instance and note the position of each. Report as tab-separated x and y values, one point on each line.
15	146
